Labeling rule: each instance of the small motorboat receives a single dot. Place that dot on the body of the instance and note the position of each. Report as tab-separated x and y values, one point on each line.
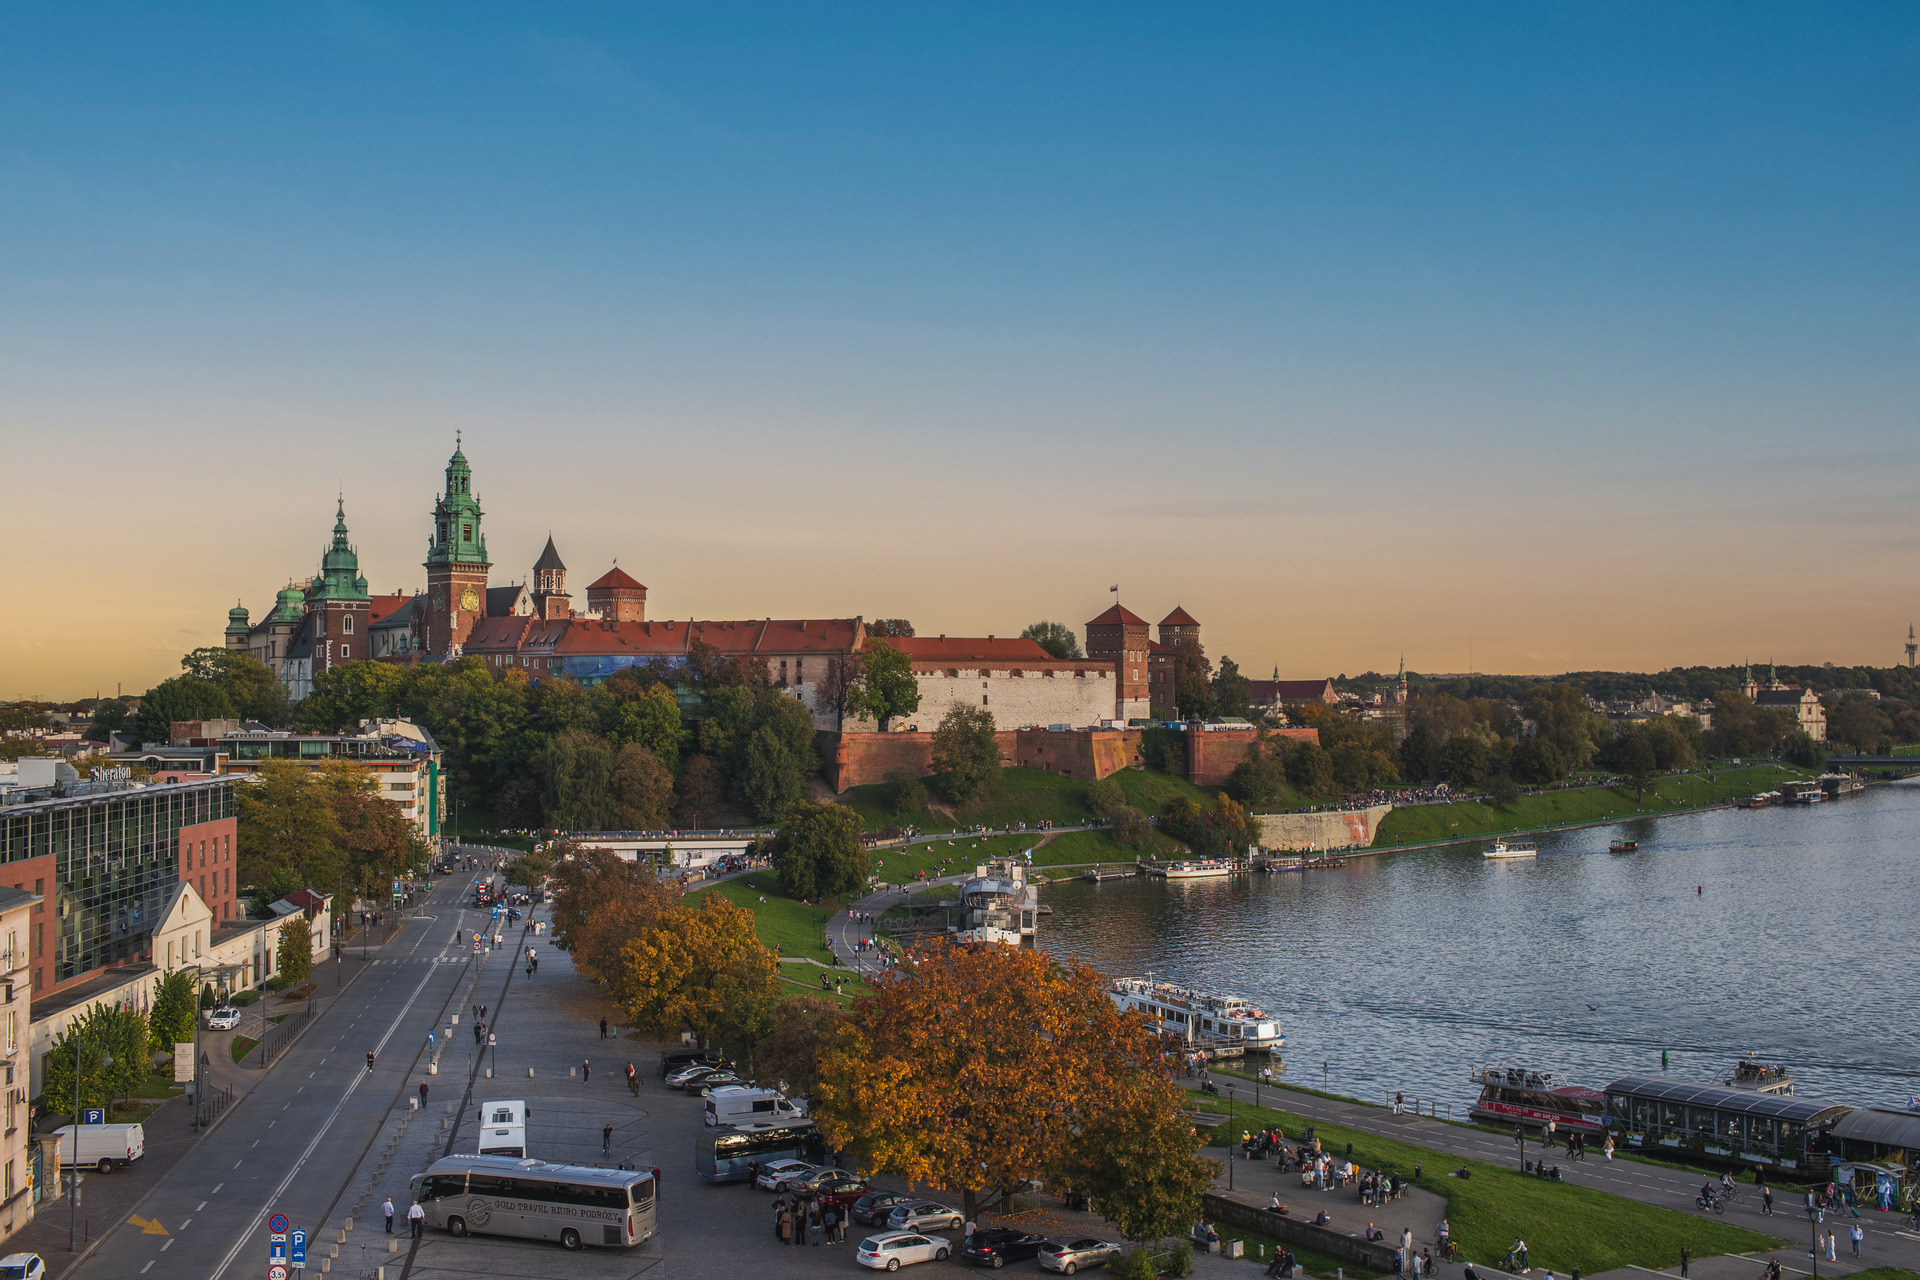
1623	846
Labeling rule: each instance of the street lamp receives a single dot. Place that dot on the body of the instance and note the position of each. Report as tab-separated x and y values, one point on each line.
73	1205
1813	1244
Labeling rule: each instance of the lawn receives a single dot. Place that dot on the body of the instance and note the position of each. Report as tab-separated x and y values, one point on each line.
1564	1225
242	1046
1031	796
787	927
1417	824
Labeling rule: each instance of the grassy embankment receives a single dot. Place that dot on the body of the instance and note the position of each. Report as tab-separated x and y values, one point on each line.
789	928
1417	824
1031	796
1564	1225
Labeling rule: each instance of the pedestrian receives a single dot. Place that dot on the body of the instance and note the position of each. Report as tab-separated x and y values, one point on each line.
1766	1201
586	1070
1857	1237
1399	1101
1609	1146
813	1223
831	1223
1833	1246
416	1218
603	1028
1686	1260
423	1095
783	1226
966	1235
369	1059
1551	1126
753	1172
387	1209
606	1140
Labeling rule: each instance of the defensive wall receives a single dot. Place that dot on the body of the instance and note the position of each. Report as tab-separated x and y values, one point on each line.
1213	754
1343	829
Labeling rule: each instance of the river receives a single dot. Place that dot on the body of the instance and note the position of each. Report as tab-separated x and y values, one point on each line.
1791	931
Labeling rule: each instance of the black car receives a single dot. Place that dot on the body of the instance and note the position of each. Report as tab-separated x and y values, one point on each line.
871	1209
998	1247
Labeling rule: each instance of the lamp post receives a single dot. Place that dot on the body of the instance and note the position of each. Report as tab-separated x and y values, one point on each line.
1813	1243
1520	1138
73	1205
1229	1137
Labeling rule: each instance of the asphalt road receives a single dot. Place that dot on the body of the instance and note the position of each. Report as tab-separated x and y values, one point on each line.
289	1145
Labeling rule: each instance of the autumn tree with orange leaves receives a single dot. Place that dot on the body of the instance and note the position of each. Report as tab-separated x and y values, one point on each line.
701	969
600	902
973	1069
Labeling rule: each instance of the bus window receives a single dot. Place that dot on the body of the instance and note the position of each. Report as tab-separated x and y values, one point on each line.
642	1192
482	1184
442	1185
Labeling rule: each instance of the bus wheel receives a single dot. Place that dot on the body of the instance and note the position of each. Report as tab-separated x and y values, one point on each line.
457	1225
569	1239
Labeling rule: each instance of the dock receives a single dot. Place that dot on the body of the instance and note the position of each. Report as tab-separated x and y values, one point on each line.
1096	875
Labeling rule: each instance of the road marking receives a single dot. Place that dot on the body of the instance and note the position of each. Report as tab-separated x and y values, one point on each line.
150	1226
238	1163
252	1228
256	1142
203	1203
214	1192
146	1268
168	1245
182	1227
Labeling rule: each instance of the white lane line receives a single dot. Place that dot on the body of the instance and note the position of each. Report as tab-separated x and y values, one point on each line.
238	1163
168	1245
146	1268
183	1226
252	1229
256	1142
216	1190
203	1203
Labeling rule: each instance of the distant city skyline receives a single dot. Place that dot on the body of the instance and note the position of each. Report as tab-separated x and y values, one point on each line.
1522	340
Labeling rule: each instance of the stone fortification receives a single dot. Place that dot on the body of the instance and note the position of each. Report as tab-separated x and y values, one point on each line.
1346	829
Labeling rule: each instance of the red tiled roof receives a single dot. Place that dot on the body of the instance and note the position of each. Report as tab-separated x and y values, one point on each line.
496	635
1118	613
384	605
969	648
1179	618
615	578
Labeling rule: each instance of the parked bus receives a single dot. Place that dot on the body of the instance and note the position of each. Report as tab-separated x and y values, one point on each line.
573	1204
722	1155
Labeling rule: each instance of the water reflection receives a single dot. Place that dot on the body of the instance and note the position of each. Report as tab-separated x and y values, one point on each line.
1788	931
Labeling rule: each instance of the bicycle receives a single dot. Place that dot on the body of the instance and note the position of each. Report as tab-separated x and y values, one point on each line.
1448	1250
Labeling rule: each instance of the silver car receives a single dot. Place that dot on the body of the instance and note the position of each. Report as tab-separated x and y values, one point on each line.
896	1249
926	1215
1069	1256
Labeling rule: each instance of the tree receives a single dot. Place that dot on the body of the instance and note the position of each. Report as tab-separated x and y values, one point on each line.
772	776
1104	797
966	753
1464	763
1635	759
1420	754
250	684
701	969
818	853
109	718
1310	768
294	956
1192	681
1859	723
789	1057
289	835
1137	1162
642	790
905	792
890	627
1232	691
529	869
1560	716
109	1047
175	1006
702	791
1260	778
1211	831
1537	762
1361	762
181	698
1131	828
575	772
345	695
600	900
376	842
887	687
1800	749
933	1080
1056	638
651	719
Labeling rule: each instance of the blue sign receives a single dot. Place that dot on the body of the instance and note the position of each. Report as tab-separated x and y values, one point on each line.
299	1247
93	1115
276	1251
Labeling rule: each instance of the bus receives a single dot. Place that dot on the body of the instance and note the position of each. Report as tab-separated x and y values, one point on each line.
573	1204
723	1154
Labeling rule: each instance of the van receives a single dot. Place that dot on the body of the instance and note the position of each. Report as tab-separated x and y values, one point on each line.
503	1129
105	1147
750	1106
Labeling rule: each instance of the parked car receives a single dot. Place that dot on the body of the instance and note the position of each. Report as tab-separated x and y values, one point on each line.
682	1079
925	1215
23	1266
1069	1256
680	1059
871	1209
781	1175
1001	1245
833	1186
700	1086
225	1018
896	1249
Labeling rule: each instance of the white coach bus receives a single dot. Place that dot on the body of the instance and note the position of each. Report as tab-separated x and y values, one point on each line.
573	1204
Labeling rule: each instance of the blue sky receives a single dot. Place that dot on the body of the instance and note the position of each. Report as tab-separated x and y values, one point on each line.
1570	328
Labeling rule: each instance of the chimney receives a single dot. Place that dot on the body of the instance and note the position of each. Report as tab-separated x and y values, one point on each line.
989	639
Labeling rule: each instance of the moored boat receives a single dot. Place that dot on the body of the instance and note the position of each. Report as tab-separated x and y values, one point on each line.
1193	870
1516	1095
1501	849
1623	846
1202	1020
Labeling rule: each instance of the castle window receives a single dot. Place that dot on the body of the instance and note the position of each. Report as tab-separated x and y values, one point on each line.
983	699
466	533
346	624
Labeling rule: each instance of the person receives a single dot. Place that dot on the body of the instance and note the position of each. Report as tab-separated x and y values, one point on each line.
1609	1147
606	1140
1520	1252
1686	1260
1320	1218
586	1070
813	1222
1274	1205
1426	1262
1856	1236
783	1224
416	1219
1399	1100
966	1234
1766	1201
603	1028
830	1222
1441	1231
1707	1194
1469	1273
387	1209
1374	1233
753	1171
423	1095
1726	1179
369	1059
1773	1270
1833	1246
1551	1126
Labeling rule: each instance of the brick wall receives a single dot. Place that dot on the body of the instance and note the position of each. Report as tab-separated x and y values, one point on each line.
207	863
860	759
1086	756
1212	755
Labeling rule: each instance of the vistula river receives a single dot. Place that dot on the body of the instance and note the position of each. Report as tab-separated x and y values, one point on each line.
1791	931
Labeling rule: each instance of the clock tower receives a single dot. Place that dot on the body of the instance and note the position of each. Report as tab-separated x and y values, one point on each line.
456	564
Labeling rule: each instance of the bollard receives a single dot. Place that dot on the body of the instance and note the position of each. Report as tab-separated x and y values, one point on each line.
456	1019
529	1073
379	1273
413	1104
433	1068
393	1245
333	1251
489	1073
326	1265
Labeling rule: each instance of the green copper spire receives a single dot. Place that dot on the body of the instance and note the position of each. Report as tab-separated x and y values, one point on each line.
339	567
237	620
457	538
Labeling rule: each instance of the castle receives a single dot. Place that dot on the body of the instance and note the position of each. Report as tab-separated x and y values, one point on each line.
332	619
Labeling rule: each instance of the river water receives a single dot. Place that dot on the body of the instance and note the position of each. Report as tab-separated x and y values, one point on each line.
1791	931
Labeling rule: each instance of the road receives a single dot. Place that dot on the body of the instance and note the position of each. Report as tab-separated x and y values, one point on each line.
290	1145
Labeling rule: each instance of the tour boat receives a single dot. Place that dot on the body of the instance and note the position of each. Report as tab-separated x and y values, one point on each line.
1193	870
1202	1020
1623	846
1515	1095
1501	849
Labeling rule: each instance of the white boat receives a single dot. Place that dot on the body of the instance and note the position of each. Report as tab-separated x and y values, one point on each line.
1226	1022
1501	849
1193	870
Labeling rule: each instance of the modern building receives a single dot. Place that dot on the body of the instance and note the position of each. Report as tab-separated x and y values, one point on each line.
401	755
16	1198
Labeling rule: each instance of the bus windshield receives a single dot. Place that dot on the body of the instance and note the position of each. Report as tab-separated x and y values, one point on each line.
723	1156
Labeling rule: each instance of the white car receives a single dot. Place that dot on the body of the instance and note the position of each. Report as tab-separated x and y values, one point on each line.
782	1175
925	1215
22	1266
1077	1254
225	1018
897	1249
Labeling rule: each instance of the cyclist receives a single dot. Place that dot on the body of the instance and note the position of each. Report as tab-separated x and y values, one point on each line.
1726	1180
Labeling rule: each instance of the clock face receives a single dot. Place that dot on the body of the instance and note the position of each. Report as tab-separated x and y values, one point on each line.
439	600
469	600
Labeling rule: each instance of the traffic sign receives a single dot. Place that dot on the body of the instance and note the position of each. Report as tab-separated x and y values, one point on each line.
299	1248
93	1115
476	944
277	1224
277	1249
277	1272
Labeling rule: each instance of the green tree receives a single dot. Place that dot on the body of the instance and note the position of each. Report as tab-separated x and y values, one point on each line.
293	957
642	790
1104	797
650	719
817	853
1800	749
1635	759
772	771
1310	769
250	684
1211	831
376	841
789	1058
1464	763
345	695
1232	691
109	718
1537	762
1859	723
171	1020
181	698
1560	716
887	687
1138	1164
890	627
529	869
288	833
966	753
1420	754
575	773
1260	779
1056	638
1192	681
85	1044
701	791
905	792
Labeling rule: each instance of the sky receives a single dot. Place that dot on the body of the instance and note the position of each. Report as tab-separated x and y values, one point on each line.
1509	338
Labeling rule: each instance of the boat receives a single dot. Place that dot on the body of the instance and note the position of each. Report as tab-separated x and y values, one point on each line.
1098	874
1802	792
1193	870
1501	849
1761	1077
1761	799
1623	846
997	906
1517	1095
1213	1022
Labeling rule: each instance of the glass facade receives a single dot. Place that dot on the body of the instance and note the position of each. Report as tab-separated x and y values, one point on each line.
116	857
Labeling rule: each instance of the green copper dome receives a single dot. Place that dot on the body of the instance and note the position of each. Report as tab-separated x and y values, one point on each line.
237	619
457	538
339	567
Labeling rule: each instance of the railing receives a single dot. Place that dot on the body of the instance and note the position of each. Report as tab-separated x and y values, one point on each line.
1424	1107
217	1099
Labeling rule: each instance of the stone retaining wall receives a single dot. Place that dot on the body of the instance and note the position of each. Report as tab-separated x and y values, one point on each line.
1218	1209
1347	829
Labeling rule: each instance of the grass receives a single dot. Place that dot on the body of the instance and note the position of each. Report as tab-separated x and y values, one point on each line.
1024	795
1564	1225
787	927
242	1046
1461	820
1885	1273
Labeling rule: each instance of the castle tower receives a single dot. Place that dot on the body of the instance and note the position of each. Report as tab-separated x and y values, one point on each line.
456	563
237	627
616	597
1120	636
339	599
550	599
1179	627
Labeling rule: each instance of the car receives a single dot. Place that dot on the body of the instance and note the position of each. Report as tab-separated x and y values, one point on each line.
1069	1256
1001	1245
925	1215
23	1266
225	1018
833	1186
680	1059
700	1086
871	1209
896	1249
781	1175
686	1076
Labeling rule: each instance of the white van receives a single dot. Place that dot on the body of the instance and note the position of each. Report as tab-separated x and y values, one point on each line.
740	1106
105	1147
503	1129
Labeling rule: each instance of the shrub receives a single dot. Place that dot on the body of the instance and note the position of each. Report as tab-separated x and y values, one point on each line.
1105	798
274	983
241	999
905	792
1140	1264
1179	1260
1131	828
